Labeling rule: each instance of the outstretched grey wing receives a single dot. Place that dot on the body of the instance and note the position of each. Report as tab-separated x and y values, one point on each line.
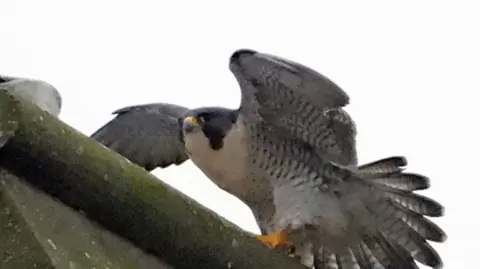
298	101
282	105
148	135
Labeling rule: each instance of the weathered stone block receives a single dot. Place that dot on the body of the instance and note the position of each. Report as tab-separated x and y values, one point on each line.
38	231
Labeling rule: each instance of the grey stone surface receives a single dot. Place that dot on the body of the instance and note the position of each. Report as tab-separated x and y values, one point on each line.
37	231
38	92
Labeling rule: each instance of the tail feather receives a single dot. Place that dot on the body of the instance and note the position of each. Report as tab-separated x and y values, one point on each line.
417	203
365	257
324	259
389	255
374	252
346	259
381	255
396	230
422	251
388	172
402	232
361	258
383	166
404	181
426	228
370	258
416	246
400	217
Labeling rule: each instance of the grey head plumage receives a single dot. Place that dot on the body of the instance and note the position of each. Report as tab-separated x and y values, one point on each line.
213	122
36	91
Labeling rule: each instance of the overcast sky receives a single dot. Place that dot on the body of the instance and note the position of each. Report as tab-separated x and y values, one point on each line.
411	71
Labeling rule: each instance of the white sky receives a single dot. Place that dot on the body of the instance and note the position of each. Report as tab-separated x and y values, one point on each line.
411	71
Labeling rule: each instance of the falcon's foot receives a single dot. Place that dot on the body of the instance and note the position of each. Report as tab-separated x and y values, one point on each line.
275	239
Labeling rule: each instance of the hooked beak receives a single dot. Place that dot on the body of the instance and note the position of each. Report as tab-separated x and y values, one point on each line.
190	123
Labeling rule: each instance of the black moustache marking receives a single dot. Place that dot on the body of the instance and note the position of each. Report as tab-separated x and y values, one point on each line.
215	137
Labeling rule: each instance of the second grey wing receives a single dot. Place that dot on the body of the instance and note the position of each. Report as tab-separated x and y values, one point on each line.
147	135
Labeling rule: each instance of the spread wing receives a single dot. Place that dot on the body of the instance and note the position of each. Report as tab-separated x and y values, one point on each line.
35	91
298	101
300	110
148	135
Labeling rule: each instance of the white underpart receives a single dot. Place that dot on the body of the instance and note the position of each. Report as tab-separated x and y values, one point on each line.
225	167
300	205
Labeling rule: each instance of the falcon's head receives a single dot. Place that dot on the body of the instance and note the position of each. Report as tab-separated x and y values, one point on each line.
207	126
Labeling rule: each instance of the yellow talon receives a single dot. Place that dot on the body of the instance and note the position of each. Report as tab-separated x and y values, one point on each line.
275	239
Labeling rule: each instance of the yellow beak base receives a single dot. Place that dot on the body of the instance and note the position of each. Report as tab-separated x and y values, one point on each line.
191	120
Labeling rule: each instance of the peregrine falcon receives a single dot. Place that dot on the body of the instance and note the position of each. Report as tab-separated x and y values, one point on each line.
288	152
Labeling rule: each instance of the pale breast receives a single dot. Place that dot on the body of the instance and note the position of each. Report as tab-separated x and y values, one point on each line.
231	169
226	167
